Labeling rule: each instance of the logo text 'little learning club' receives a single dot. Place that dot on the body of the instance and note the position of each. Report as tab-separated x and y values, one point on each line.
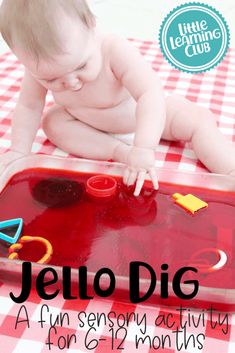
194	37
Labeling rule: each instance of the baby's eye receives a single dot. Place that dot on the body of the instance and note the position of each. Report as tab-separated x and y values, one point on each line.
50	81
82	67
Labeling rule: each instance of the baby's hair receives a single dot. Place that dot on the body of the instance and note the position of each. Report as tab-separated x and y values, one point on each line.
32	24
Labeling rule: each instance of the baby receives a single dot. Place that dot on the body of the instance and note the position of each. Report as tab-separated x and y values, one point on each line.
102	88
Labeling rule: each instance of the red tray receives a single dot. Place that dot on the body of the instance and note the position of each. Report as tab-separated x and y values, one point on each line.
112	232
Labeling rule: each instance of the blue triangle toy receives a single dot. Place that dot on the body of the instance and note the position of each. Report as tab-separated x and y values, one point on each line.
10	224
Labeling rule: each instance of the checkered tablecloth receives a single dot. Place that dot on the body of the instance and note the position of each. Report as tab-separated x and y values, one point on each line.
215	90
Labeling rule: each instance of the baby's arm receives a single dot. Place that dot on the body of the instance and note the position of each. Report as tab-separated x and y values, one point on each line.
26	119
145	87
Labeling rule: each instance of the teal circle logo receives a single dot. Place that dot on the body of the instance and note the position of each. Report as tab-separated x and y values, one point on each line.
194	37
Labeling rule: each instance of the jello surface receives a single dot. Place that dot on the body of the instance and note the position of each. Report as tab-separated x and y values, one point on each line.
111	232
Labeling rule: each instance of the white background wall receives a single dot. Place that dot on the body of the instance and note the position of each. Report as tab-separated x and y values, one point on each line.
142	18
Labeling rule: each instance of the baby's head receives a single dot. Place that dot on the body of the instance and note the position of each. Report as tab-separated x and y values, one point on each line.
54	39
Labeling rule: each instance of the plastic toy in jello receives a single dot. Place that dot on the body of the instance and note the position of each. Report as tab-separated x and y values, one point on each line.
200	260
15	248
101	186
10	230
189	202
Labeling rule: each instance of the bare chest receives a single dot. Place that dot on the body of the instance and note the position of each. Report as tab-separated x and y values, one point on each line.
105	92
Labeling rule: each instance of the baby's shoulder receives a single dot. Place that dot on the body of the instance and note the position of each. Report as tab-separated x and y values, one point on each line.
113	43
120	52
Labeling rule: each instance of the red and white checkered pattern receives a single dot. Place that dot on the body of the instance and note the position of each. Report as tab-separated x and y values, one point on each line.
215	90
26	339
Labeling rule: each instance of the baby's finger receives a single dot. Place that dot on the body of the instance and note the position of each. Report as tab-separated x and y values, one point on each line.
139	182
153	176
132	177
126	175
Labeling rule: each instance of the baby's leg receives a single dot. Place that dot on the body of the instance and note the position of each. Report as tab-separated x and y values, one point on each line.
187	121
80	139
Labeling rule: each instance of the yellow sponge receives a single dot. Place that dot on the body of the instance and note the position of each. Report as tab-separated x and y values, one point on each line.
189	202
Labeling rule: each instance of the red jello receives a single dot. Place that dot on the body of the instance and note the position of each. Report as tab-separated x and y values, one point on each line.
100	232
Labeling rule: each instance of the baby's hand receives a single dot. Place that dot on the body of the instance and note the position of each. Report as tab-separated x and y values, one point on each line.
9	157
140	161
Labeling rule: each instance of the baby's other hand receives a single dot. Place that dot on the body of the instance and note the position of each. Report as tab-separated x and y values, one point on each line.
140	161
9	157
